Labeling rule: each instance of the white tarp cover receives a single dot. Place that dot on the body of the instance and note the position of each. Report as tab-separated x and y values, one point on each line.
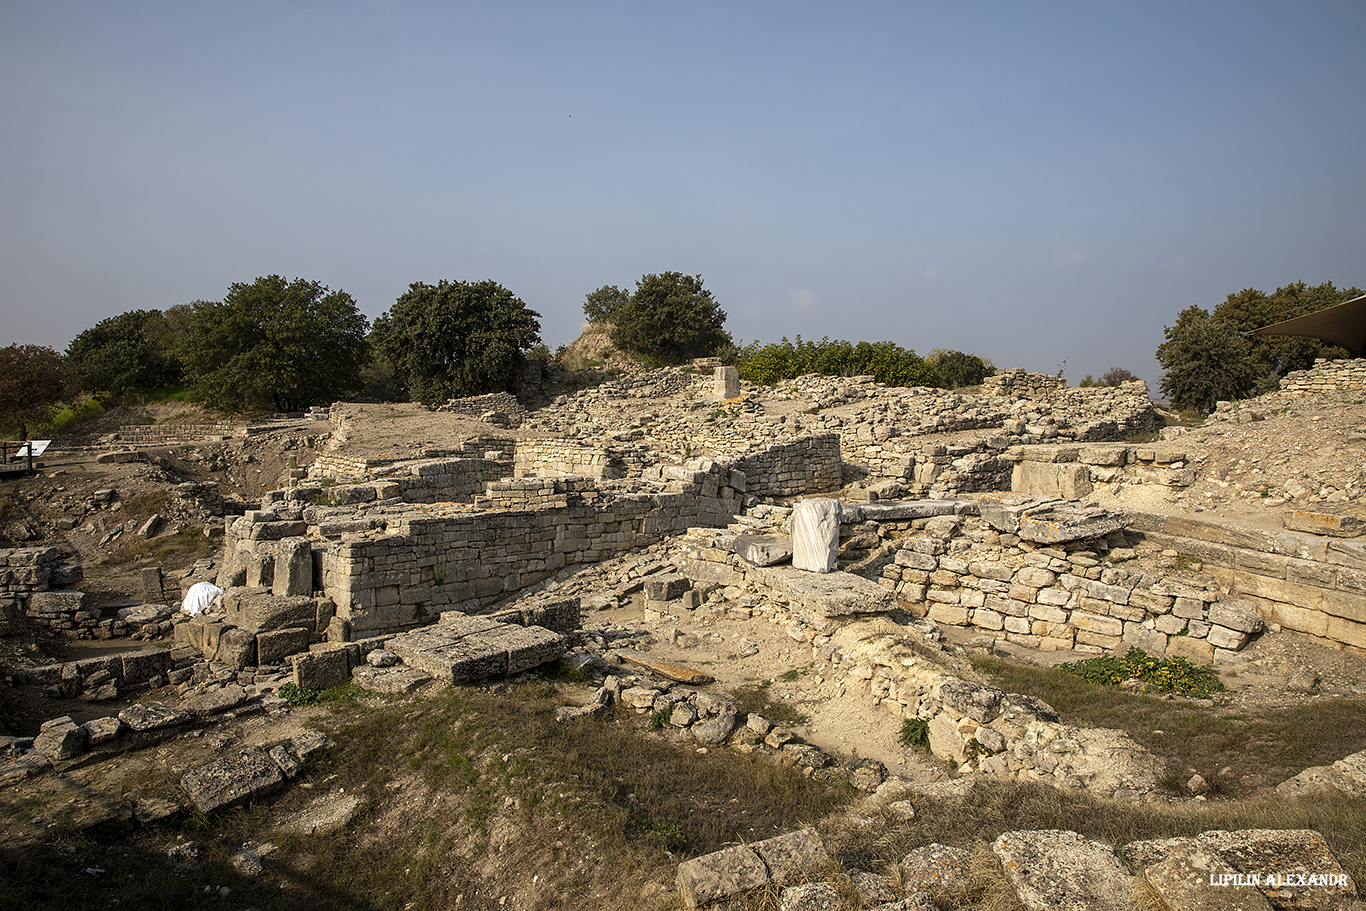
816	534
199	597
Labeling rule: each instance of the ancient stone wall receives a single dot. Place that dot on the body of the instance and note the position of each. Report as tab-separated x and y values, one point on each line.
25	571
1015	382
558	458
804	464
500	408
135	435
1073	472
1325	376
1309	583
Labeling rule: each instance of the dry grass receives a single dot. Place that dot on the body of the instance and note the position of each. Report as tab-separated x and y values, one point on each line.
1258	749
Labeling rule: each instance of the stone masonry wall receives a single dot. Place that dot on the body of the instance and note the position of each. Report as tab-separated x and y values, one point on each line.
808	463
1308	583
1014	381
24	571
558	458
1326	376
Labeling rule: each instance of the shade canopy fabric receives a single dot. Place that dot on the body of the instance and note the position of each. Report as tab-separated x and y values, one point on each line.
1343	325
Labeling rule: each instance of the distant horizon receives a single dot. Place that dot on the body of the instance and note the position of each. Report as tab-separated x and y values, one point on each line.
1031	185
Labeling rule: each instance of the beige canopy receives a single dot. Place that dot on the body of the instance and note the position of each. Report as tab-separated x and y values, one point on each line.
1343	325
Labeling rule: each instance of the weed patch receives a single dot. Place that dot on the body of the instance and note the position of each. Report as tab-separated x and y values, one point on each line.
1159	675
755	698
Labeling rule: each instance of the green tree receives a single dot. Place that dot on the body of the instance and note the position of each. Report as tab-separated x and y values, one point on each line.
1277	355
957	369
33	379
275	344
669	316
456	339
602	305
1205	361
124	352
1116	375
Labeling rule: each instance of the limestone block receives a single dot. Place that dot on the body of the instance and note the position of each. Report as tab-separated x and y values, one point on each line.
1190	877
719	875
1058	870
816	534
938	867
762	550
1196	651
257	610
972	700
725	383
951	614
812	896
275	646
1325	523
237	648
274	531
946	741
232	780
1105	626
60	738
1223	637
1056	523
665	589
1103	455
293	568
322	669
144	664
1294	855
1235	617
151	716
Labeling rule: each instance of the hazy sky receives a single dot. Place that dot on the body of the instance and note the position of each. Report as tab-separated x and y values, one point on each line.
1032	182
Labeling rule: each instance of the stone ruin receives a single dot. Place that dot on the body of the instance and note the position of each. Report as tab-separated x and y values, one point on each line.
962	511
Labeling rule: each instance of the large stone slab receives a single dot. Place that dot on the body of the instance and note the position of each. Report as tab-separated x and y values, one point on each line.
323	669
719	875
1299	870
1058	523
472	648
1325	523
232	780
1195	878
905	510
816	534
821	597
1058	870
293	568
762	550
258	610
151	716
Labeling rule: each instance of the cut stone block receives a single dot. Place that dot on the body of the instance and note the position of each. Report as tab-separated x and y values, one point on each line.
237	648
1191	877
719	875
257	610
1061	522
144	664
816	534
293	568
1058	870
322	669
275	646
821	597
473	648
232	780
61	738
150	716
762	550
1325	523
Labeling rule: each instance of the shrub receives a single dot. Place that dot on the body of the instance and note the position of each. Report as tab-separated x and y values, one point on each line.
915	732
1160	675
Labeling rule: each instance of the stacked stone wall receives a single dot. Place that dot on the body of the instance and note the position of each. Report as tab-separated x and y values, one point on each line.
25	571
559	458
1308	583
507	410
1017	383
800	465
1326	376
134	435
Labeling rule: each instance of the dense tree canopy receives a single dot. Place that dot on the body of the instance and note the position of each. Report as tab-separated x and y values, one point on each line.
124	352
32	380
956	369
887	362
1205	362
669	316
456	339
1211	357
275	344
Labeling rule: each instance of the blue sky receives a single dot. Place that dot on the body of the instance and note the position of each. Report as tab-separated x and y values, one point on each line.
1035	183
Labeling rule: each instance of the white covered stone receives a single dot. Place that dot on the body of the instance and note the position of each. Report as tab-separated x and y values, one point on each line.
816	534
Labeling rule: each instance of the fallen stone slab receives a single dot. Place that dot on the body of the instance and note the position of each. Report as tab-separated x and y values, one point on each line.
762	550
232	780
822	596
815	896
1062	522
151	716
905	510
462	649
1059	870
1192	877
396	681
215	702
60	738
719	875
1325	523
1299	869
936	866
667	669
25	765
789	856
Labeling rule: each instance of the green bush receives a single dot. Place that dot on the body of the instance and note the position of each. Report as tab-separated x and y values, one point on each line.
887	362
1160	675
69	417
915	732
